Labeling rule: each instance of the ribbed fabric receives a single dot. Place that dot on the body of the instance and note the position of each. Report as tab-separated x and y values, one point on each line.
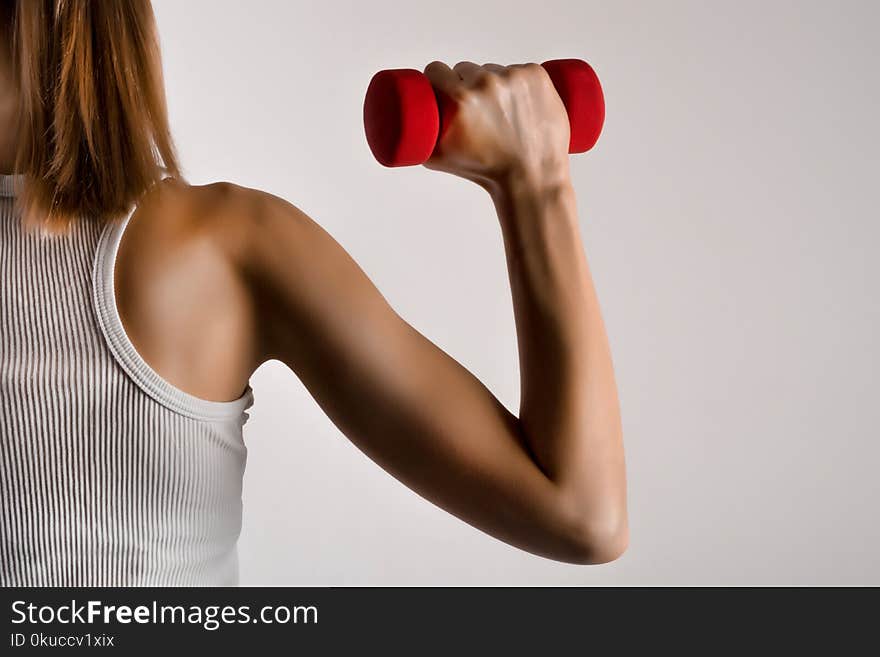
109	475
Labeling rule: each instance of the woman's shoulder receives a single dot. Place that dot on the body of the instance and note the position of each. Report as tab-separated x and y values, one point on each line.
179	287
175	207
184	233
226	214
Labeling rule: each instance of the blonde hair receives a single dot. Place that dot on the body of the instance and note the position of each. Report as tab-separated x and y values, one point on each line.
93	130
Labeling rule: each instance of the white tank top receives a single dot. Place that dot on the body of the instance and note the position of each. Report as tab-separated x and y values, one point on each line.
109	475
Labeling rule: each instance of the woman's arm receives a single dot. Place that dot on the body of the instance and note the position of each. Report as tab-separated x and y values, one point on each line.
550	481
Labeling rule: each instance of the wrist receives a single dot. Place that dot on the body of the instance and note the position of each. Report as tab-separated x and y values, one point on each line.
523	195
531	183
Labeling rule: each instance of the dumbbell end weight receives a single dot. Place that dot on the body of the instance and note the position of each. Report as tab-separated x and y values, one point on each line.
402	120
578	86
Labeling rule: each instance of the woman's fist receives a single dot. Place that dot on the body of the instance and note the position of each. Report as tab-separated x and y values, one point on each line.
499	122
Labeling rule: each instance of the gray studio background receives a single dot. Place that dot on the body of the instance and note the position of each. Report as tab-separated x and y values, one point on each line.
730	216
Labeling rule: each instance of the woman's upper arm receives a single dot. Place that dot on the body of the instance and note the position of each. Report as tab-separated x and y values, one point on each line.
403	401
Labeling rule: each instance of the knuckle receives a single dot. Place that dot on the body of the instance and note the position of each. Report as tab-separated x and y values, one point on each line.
531	71
518	73
488	80
460	95
466	98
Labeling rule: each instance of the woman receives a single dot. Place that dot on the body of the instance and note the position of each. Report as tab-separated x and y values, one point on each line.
135	308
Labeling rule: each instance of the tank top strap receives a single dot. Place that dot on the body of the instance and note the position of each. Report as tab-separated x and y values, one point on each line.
124	351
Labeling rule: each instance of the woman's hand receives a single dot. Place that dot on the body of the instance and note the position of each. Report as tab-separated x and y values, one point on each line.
499	123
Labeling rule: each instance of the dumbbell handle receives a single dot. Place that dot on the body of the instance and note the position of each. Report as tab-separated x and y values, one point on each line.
402	117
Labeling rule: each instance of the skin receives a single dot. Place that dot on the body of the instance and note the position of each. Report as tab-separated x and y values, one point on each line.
214	280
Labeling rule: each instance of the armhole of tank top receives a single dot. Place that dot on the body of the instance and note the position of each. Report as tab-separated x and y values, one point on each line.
110	322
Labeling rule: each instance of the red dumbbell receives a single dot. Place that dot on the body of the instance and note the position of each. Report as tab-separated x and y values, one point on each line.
402	117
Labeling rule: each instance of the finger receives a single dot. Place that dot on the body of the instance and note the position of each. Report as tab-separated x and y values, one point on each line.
442	77
526	67
496	68
467	71
530	71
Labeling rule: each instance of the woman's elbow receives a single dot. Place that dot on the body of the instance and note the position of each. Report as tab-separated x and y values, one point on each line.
600	544
596	538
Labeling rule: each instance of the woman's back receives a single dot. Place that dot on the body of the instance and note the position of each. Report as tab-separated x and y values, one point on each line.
109	474
115	470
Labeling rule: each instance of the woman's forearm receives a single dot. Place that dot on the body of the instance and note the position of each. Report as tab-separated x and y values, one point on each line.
569	411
